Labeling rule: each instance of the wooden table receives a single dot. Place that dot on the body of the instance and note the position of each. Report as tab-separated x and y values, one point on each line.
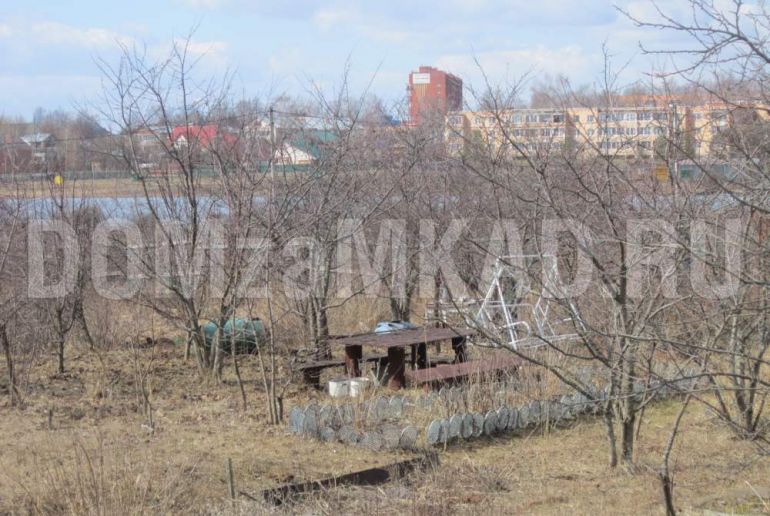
396	342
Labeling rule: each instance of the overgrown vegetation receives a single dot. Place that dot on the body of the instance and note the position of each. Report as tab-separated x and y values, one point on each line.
102	323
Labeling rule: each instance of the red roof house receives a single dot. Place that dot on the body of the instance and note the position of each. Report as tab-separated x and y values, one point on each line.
204	135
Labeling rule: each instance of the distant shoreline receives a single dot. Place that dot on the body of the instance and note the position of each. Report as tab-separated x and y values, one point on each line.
117	188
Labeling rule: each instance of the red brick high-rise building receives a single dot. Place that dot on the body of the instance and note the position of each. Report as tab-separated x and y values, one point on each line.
431	89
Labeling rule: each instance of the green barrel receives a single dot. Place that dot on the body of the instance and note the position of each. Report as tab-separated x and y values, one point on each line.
246	334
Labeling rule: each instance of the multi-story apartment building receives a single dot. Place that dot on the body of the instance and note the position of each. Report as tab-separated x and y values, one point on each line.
708	121
642	131
630	132
529	130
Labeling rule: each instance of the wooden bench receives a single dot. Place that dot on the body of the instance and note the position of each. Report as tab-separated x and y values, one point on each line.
311	371
452	372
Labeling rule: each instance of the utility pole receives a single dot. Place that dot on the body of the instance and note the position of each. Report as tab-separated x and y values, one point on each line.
272	147
673	143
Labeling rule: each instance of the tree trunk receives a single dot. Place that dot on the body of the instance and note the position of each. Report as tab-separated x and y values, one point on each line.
13	391
322	328
216	357
437	301
664	475
81	316
60	354
627	437
268	379
61	333
400	309
198	343
667	486
238	376
609	425
629	403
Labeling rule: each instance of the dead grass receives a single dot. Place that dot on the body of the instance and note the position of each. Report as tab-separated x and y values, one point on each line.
98	458
97	418
84	188
565	472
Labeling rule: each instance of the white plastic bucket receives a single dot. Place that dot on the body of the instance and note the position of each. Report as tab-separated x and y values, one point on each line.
339	388
359	385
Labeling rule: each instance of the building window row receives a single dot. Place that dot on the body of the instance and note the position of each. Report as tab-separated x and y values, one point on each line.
630	116
628	131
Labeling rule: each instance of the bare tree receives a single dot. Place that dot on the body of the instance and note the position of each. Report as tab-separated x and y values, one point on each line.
726	62
199	193
12	224
583	211
66	257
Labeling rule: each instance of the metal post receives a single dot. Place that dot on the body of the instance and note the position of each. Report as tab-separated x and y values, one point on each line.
230	478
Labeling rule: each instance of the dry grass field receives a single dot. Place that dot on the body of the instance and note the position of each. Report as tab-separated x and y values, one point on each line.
81	445
99	454
96	455
84	188
101	188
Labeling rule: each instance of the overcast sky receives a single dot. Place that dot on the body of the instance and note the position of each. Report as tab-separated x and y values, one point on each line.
47	47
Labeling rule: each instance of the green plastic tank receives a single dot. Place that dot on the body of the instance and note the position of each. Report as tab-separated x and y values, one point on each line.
246	334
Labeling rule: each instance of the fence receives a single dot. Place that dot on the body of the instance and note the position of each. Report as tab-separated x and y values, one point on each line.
383	423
